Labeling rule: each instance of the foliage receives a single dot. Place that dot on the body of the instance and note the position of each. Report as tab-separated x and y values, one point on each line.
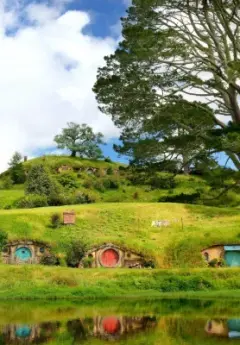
162	182
7	182
49	260
87	261
181	198
31	201
17	172
3	239
81	140
68	180
39	182
56	220
75	253
162	61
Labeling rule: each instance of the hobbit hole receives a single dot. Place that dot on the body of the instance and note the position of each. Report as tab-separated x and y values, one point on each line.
24	252
230	254
111	256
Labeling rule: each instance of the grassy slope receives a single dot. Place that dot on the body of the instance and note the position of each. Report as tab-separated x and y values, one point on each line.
38	282
129	224
125	193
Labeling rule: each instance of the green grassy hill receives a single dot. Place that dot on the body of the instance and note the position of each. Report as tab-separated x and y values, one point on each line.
111	182
191	229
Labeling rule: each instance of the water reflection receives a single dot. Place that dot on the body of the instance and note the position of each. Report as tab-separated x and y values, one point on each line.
224	328
105	328
166	322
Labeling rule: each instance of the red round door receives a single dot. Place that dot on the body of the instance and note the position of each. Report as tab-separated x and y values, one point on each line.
109	258
111	325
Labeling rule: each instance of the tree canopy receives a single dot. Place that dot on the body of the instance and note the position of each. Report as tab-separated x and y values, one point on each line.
80	140
172	86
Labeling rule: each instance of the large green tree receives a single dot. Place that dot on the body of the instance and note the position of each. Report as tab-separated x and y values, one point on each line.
172	85
80	140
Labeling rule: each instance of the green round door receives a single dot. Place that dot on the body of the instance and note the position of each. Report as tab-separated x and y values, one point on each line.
232	258
23	254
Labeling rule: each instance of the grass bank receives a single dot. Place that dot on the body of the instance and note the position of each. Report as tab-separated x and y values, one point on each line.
191	229
39	282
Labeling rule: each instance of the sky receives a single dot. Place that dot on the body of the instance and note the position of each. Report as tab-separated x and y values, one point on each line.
50	52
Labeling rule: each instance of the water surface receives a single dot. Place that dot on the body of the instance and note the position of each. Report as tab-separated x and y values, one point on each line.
162	322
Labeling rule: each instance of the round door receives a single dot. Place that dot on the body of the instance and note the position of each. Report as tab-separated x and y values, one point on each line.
111	325
23	254
110	258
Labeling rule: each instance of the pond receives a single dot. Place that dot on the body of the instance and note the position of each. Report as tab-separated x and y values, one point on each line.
162	322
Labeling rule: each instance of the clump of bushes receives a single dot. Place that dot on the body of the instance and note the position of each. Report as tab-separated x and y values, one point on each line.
75	253
49	260
162	182
68	180
87	262
31	201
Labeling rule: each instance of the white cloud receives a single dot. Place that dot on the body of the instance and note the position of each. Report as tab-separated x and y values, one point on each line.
47	74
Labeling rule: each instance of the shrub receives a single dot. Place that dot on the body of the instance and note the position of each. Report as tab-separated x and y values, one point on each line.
98	185
87	262
7	183
68	180
32	201
108	160
55	220
83	198
49	260
110	171
3	239
183	198
162	182
111	183
75	253
39	182
136	196
88	184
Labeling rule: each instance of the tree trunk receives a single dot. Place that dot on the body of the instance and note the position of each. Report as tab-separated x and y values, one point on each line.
74	153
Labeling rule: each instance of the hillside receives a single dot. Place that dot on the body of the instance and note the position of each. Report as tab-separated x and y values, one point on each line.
191	229
104	181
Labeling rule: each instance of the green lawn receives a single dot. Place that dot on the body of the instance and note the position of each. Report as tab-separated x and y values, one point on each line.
7	197
191	229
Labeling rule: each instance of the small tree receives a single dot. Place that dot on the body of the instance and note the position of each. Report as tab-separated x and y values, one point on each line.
39	182
75	253
81	140
16	168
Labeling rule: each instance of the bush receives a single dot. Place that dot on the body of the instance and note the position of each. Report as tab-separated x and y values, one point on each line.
111	183
7	183
55	220
181	198
98	185
88	184
75	253
40	182
108	160
68	180
83	198
3	239
110	171
163	182
87	262
49	260
136	196
31	201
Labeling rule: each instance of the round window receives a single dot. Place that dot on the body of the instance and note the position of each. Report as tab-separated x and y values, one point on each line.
23	253
109	258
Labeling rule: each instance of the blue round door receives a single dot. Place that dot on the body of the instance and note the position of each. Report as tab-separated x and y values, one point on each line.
23	332
23	254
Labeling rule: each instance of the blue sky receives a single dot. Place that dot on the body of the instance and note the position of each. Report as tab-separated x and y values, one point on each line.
39	41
